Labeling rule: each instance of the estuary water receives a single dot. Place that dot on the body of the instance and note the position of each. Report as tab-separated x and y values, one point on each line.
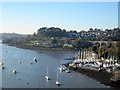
31	74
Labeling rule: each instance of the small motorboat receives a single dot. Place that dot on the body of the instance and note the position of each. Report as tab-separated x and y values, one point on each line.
34	59
19	61
14	71
1	63
68	71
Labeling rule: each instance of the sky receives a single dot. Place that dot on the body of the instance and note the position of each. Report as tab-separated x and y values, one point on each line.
28	17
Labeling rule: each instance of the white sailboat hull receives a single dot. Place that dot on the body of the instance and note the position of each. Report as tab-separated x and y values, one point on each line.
57	83
47	77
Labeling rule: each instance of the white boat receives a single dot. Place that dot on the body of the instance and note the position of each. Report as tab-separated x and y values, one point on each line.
19	61
1	63
61	68
34	59
14	71
57	82
68	71
47	77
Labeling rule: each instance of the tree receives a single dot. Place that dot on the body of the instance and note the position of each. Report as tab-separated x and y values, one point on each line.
80	43
95	29
90	29
34	34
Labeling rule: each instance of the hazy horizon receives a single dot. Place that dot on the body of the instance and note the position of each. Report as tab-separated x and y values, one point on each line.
28	17
48	27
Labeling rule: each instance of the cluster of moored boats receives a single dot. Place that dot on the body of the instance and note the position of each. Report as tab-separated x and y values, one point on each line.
3	67
102	64
14	71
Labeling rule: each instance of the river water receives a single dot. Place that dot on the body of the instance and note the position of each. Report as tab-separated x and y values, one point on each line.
32	75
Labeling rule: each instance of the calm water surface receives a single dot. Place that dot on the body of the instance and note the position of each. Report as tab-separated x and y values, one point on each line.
34	74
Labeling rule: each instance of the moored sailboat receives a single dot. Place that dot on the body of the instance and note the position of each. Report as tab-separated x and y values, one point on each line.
57	82
61	68
47	76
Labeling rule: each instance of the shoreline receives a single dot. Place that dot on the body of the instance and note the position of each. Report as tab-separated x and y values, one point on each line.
102	77
40	48
91	73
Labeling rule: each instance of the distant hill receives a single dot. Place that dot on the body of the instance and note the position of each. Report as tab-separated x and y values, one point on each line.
4	36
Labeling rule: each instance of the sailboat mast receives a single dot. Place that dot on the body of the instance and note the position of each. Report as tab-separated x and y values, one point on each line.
81	55
61	63
57	76
47	70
